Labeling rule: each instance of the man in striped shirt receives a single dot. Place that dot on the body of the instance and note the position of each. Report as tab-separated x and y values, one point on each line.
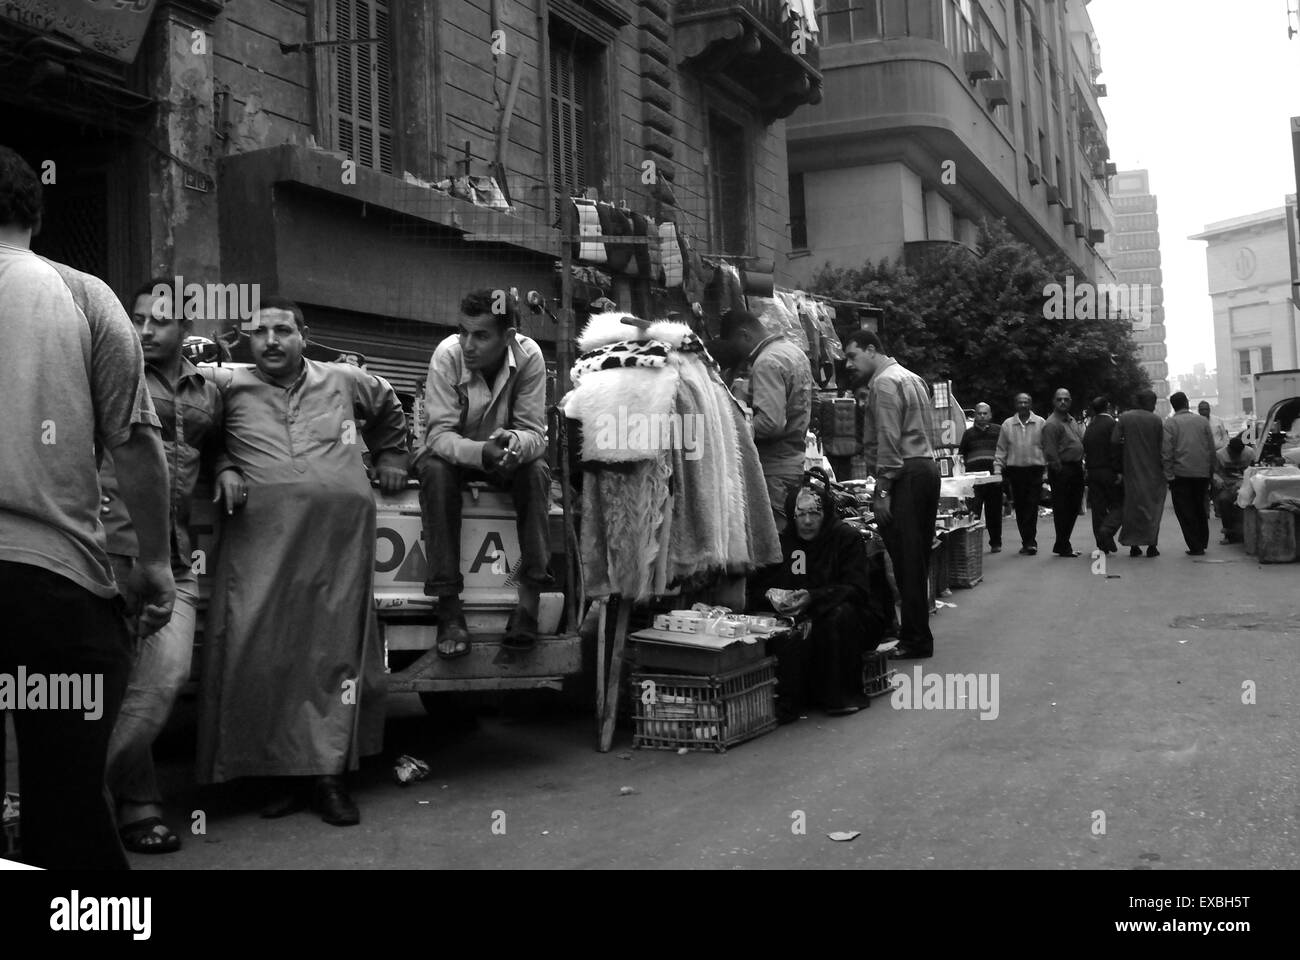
899	451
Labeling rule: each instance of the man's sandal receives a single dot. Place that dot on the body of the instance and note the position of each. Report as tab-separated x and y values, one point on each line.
149	835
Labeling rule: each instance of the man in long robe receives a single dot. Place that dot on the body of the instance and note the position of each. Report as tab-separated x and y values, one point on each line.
1140	434
293	667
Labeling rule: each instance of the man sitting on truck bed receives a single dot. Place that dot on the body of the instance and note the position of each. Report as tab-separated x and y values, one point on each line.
485	400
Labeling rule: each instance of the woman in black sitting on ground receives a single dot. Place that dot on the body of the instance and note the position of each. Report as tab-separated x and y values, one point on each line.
825	562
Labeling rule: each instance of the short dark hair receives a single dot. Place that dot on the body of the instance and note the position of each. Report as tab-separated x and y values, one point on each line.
863	339
1100	404
1145	398
1178	400
733	321
1235	444
20	192
479	303
147	288
283	303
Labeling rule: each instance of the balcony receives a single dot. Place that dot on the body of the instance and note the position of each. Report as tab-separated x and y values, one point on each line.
752	44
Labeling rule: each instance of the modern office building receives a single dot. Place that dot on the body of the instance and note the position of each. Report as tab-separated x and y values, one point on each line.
940	113
1133	252
1251	261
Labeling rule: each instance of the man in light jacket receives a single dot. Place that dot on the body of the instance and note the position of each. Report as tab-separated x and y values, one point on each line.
1188	455
1019	458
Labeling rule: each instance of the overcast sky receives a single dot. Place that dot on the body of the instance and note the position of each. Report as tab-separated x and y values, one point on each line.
1200	93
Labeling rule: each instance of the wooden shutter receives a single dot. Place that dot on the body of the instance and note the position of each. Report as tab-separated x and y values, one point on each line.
364	84
568	121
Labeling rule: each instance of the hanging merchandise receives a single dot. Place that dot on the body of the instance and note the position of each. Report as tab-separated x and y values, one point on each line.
583	220
670	255
758	279
674	491
779	315
488	194
642	261
615	222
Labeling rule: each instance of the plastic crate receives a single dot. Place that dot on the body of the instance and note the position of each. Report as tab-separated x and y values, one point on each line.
877	674
966	555
704	712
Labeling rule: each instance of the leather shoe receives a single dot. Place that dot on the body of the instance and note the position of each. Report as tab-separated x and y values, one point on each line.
908	653
996	549
1135	551
1066	553
330	799
1152	552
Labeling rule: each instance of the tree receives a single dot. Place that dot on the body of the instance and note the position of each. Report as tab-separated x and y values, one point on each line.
981	321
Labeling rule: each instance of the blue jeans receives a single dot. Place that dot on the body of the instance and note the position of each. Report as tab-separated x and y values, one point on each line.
160	668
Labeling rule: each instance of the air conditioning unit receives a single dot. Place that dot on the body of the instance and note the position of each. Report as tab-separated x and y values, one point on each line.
996	93
1034	173
1099	89
978	64
1099	170
1053	195
1080	229
1067	215
1111	169
1096	236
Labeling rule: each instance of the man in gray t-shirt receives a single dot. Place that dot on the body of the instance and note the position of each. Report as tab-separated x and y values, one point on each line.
71	384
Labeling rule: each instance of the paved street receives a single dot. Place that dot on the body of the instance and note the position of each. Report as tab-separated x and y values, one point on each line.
1119	695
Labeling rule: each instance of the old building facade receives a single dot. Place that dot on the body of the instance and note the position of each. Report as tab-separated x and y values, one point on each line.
298	144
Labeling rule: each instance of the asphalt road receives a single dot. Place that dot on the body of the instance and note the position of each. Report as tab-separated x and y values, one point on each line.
1121	741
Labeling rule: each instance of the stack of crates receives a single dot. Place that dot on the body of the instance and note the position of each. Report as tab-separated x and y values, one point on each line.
966	555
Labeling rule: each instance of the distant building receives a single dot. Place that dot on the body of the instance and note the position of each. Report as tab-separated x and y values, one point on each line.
940	113
1250	260
1134	250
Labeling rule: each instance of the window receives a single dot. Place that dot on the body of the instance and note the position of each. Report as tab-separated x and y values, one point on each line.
728	186
845	21
1243	363
579	153
1265	359
1248	405
798	214
363	83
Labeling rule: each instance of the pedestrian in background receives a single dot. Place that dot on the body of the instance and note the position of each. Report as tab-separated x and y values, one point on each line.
72	384
1019	457
1216	425
1063	451
1189	457
1140	435
779	391
1105	493
1229	472
899	450
978	450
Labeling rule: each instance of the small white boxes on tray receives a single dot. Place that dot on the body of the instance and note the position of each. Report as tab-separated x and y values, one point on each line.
727	625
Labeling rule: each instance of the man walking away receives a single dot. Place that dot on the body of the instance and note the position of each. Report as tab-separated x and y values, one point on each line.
1019	456
189	408
780	394
1105	494
978	450
1189	457
1140	435
1063	451
900	454
71	381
